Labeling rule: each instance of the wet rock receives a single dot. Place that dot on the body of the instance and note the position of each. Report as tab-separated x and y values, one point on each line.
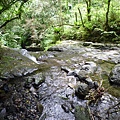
35	80
92	84
81	90
107	108
114	77
87	43
90	67
109	34
16	63
98	45
55	92
2	114
65	69
39	79
25	53
81	113
45	57
65	108
106	36
34	47
27	85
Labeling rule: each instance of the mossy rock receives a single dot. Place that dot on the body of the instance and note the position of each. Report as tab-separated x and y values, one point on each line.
14	64
81	113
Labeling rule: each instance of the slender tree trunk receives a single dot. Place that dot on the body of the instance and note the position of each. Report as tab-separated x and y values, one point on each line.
88	3
75	16
107	15
81	17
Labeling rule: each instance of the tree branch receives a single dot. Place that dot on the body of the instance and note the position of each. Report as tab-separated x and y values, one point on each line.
17	17
4	24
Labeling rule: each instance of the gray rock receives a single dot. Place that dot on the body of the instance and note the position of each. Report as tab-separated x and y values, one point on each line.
107	108
87	43
89	67
114	76
110	34
82	90
25	53
97	45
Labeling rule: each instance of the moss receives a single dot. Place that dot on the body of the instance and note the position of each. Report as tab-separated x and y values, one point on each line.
106	67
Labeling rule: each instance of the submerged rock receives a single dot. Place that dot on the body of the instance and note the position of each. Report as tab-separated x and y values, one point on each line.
114	76
81	113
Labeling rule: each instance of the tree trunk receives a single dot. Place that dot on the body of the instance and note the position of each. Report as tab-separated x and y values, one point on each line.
88	3
107	15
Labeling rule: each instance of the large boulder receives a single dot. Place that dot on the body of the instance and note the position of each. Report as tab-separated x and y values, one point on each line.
114	76
16	63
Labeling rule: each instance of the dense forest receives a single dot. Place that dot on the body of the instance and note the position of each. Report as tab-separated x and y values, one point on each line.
44	23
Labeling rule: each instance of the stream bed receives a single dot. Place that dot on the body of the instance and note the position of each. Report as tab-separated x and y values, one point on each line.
48	93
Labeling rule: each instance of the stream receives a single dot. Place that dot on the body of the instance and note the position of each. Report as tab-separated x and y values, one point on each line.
48	93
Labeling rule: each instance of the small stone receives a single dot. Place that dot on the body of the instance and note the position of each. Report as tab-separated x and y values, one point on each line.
114	77
65	108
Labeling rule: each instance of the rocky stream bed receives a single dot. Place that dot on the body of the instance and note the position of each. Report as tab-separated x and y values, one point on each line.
71	81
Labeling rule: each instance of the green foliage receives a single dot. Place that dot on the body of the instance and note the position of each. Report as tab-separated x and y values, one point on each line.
12	37
39	17
52	36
